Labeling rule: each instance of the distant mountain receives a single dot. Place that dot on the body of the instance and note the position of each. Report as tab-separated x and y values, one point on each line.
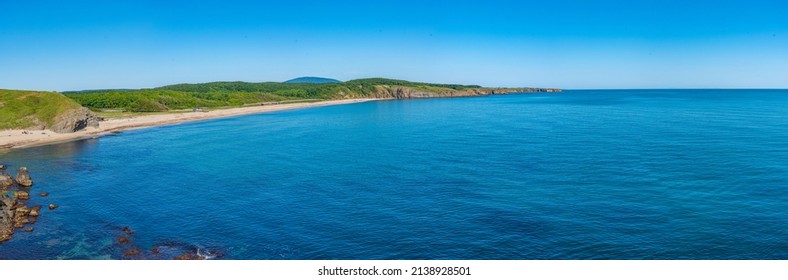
312	80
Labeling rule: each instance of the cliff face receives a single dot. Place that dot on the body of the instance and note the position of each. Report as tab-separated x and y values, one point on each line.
74	120
401	92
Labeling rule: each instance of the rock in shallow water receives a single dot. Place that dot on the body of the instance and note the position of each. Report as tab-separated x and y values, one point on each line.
34	211
128	230
6	217
23	177
52	206
14	213
22	195
6	180
131	252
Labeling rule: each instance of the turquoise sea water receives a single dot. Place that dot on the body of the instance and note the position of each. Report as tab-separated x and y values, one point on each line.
624	174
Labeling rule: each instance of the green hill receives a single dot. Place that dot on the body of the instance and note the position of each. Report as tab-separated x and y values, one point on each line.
312	80
234	94
42	110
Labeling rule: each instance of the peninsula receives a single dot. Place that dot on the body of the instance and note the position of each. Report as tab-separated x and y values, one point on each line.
31	118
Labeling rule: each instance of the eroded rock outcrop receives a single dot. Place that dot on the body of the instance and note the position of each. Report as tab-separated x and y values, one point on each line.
23	177
23	195
6	180
6	217
14	213
74	120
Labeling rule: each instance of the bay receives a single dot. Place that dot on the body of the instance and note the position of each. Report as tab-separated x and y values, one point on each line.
583	174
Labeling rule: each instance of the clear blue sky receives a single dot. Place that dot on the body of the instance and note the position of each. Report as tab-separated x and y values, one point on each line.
69	45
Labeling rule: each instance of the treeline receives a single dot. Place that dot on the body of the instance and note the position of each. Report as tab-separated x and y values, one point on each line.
158	100
222	94
392	82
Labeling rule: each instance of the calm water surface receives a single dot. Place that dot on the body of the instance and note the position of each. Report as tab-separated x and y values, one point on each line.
629	174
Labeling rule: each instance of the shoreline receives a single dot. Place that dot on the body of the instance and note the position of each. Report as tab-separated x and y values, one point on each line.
21	138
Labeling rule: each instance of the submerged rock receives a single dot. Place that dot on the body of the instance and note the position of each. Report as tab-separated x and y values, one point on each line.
128	230
52	206
189	256
123	240
29	229
23	177
44	194
131	252
6	180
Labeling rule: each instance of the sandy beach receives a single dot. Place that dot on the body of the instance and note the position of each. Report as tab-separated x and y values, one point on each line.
10	139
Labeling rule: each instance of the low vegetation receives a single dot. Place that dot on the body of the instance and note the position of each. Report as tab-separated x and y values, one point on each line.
25	109
233	94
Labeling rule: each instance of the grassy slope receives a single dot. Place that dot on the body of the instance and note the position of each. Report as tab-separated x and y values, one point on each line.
24	109
233	94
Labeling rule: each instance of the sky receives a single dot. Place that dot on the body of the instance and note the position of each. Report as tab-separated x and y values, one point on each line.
75	45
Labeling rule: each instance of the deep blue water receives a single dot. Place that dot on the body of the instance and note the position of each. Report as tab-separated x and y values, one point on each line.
627	174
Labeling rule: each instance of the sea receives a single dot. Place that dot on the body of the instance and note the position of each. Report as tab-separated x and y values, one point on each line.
582	174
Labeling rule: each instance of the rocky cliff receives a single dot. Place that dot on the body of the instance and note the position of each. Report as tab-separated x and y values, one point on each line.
403	92
74	120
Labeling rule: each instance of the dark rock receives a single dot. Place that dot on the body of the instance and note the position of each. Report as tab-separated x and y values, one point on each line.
2	167
188	256
154	250
6	180
52	206
131	252
74	120
43	194
128	231
23	177
29	229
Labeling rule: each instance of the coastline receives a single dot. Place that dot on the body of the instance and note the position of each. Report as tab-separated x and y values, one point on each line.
18	138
